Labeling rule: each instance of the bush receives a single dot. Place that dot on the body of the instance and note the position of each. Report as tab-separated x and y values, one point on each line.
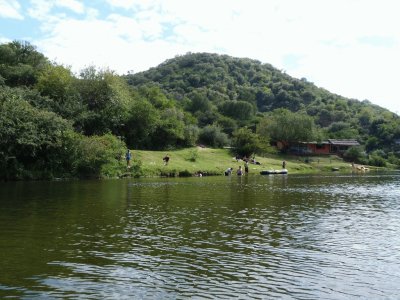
193	155
185	173
354	154
246	143
32	140
213	136
191	134
393	159
376	159
97	156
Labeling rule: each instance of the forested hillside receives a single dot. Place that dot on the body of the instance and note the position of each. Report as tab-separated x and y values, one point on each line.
235	92
54	123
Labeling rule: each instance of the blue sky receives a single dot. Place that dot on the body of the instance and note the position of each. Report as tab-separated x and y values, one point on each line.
349	47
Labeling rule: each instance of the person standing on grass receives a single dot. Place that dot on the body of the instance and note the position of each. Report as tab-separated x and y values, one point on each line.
166	159
128	157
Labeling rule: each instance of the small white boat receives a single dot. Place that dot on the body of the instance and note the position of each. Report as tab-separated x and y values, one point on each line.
270	172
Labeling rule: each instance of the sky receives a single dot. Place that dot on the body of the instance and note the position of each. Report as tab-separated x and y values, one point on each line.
349	47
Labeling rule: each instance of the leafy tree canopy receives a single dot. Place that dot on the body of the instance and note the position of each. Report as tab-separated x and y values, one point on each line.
286	126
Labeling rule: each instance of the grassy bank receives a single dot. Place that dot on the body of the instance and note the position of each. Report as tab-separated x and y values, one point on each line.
191	161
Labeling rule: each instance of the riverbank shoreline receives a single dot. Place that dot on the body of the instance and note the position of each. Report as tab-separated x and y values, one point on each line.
200	161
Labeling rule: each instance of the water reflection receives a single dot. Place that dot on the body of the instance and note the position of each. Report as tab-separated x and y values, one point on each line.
302	237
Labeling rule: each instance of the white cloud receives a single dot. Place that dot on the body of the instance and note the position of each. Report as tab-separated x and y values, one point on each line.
73	5
4	40
134	4
10	9
105	43
151	28
125	27
126	4
360	72
327	38
40	10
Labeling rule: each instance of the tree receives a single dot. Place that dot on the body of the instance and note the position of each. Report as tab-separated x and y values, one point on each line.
354	154
228	125
376	158
265	99
284	99
31	139
107	98
20	63
288	127
95	156
342	130
240	110
365	117
191	134
246	143
212	136
326	117
142	122
198	102
156	96
247	94
170	131
57	83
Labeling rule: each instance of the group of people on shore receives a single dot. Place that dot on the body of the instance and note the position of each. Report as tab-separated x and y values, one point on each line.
229	171
250	160
239	171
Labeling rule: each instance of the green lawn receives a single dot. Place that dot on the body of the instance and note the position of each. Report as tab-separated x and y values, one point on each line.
190	161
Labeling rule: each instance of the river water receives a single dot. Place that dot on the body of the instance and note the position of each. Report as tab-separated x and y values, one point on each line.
277	236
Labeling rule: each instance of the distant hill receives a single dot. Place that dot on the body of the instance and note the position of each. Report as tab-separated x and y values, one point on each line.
228	78
225	89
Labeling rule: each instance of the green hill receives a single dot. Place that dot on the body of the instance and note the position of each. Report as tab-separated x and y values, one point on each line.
54	123
234	92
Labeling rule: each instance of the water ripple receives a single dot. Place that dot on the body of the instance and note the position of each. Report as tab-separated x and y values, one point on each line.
293	237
